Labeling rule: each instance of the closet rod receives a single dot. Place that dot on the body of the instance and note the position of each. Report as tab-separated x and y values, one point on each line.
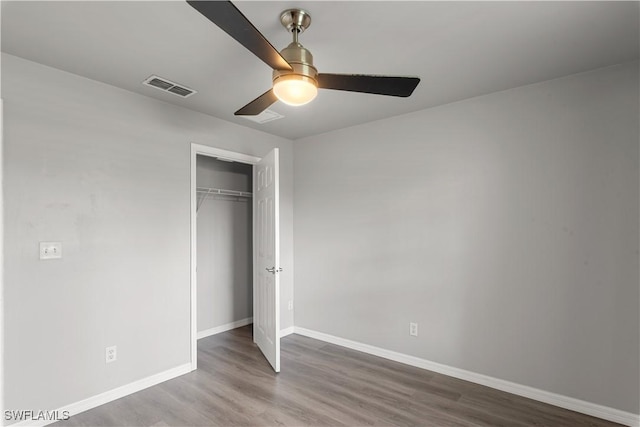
213	191
205	192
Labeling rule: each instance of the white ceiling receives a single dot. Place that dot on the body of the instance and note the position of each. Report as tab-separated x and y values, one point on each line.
458	49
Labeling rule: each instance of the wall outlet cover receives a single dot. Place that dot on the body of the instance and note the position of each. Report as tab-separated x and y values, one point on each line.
111	354
413	329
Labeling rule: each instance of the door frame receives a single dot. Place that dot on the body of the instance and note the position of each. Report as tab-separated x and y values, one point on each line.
203	150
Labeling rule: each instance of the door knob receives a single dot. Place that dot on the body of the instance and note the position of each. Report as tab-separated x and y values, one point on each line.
274	270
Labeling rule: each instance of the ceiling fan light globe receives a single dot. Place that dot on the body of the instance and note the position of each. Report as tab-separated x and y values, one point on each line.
295	90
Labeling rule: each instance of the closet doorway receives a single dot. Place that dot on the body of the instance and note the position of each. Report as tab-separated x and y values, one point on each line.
235	247
224	245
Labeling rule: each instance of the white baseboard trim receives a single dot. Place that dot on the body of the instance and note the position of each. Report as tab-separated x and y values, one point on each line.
604	412
225	327
111	395
287	331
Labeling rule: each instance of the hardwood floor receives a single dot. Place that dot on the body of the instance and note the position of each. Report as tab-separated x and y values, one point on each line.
320	384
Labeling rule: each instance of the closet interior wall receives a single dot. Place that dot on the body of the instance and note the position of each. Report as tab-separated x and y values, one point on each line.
224	246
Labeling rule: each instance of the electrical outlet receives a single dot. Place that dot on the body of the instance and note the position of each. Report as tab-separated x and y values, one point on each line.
413	329
290	305
111	354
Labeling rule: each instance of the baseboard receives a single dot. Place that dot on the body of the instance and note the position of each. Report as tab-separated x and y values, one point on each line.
238	324
111	395
599	411
225	328
286	331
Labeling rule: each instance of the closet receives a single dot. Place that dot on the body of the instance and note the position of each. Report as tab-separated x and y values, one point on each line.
224	245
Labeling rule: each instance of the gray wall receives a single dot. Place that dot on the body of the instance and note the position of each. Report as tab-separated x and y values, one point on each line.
225	257
107	172
505	225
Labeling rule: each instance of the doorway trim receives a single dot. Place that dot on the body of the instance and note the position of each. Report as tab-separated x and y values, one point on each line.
203	150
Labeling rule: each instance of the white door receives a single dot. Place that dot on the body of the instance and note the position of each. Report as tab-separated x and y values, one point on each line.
266	266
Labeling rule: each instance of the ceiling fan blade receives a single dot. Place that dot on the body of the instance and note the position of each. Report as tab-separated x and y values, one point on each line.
379	85
258	105
226	16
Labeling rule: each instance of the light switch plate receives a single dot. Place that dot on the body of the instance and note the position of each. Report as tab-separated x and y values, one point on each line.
50	250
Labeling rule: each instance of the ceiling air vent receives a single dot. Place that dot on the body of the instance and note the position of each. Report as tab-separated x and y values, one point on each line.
264	117
168	86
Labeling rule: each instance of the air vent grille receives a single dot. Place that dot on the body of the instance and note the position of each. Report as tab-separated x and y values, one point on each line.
168	86
264	117
156	82
180	91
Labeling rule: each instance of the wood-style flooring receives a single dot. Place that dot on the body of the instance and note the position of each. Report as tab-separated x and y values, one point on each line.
320	385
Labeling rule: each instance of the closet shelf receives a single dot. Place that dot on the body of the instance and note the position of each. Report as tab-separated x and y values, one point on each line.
204	192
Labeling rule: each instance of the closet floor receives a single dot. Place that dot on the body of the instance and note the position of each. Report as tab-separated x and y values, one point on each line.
320	384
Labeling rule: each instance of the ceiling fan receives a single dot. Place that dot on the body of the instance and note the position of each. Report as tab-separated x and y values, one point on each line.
295	80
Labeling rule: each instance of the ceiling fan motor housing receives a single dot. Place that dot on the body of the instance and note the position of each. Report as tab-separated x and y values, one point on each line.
301	61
